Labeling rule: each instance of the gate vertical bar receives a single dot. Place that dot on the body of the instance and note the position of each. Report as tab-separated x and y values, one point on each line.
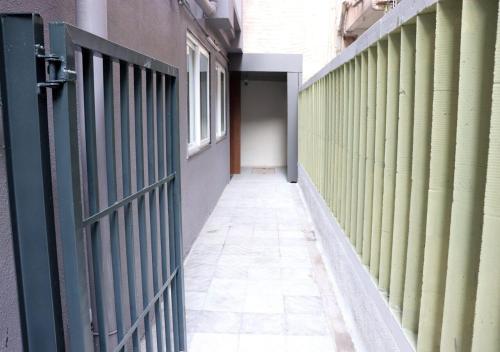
174	212
153	217
93	195
112	191
29	179
127	190
139	156
160	123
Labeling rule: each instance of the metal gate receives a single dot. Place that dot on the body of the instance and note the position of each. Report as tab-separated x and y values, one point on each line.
116	189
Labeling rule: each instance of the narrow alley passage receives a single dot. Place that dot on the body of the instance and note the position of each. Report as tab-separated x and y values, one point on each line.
255	280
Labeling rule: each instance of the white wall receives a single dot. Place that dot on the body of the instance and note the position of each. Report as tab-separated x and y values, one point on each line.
307	27
263	124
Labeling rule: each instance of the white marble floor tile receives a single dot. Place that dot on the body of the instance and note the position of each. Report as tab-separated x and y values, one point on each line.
218	322
231	286
263	272
300	287
236	260
192	320
309	344
206	342
262	343
296	274
268	259
266	234
255	323
251	279
264	287
239	272
224	302
200	284
238	249
195	300
264	304
303	304
203	257
306	324
294	252
295	262
198	270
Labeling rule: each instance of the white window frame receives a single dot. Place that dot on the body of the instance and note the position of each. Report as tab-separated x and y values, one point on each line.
194	100
221	131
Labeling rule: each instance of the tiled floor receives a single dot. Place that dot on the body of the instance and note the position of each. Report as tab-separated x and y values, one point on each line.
255	281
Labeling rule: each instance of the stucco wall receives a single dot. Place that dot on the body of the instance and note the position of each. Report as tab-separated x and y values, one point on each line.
263	123
10	328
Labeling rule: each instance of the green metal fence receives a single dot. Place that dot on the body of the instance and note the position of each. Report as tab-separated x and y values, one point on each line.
402	140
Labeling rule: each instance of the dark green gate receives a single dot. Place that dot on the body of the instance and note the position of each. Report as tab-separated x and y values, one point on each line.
116	189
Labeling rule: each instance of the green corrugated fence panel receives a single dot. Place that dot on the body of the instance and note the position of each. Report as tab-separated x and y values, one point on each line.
486	334
474	103
370	152
350	143
424	71
378	168
391	136
345	141
396	141
403	167
360	194
444	114
355	149
338	140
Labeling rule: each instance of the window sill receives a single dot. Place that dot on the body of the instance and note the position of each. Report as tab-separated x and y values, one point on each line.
195	150
220	138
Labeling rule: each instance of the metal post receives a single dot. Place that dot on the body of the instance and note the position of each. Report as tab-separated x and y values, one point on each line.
29	179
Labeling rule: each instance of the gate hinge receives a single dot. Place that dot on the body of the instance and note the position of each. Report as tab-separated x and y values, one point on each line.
57	73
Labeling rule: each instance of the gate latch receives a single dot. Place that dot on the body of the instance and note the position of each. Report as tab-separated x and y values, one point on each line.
57	73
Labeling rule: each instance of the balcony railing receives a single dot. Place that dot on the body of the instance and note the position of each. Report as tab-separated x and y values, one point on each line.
401	136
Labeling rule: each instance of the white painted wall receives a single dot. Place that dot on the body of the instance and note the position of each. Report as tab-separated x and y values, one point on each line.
307	27
263	124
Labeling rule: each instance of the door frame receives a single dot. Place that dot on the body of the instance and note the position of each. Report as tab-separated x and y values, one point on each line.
291	64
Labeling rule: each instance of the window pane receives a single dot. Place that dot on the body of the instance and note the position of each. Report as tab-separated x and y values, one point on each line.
191	95
222	103
204	116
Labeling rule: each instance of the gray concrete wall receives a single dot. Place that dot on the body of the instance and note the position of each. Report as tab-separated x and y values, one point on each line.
371	324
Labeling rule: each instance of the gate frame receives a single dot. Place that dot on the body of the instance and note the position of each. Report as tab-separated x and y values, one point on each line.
30	188
64	39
